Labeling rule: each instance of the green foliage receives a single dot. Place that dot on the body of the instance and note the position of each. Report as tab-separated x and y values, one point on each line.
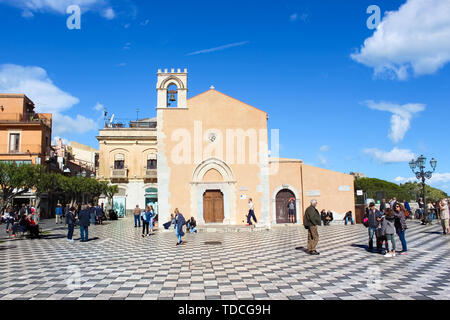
408	191
18	179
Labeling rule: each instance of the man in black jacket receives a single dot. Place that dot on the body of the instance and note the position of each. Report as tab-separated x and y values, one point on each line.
311	221
84	217
70	221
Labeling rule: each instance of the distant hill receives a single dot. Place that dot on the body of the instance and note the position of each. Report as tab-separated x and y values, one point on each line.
407	191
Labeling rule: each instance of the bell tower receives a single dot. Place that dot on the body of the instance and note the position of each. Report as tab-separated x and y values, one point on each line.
172	89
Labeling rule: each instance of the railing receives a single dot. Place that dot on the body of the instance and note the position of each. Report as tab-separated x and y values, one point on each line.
23	117
151	174
119	173
23	149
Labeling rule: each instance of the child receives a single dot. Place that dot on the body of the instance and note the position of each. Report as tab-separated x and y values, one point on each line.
389	230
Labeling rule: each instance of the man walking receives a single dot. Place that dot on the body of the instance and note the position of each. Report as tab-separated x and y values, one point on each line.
70	221
251	213
374	218
58	213
137	216
84	218
311	221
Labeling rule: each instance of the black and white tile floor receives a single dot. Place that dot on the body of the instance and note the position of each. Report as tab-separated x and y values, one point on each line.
119	264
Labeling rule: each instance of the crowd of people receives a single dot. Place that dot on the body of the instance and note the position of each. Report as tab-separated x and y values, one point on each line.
384	224
20	219
82	215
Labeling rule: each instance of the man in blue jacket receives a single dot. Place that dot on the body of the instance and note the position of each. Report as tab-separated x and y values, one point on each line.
179	223
84	218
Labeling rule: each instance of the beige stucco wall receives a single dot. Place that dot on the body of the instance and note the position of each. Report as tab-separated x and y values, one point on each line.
35	136
83	152
287	176
215	111
328	182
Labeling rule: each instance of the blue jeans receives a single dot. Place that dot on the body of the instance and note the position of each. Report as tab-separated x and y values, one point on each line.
193	229
137	219
432	216
251	214
84	233
10	221
346	220
401	235
71	228
178	235
92	215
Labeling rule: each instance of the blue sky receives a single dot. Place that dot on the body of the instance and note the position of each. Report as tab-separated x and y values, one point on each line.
344	97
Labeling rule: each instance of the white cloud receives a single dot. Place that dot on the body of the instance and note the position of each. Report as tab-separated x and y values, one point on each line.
30	7
231	45
123	64
401	116
127	46
415	38
322	160
437	178
63	124
99	106
293	17
108	13
144	23
34	82
56	139
324	148
393	156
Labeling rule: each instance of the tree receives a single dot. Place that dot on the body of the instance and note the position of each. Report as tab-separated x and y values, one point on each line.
16	179
110	191
408	191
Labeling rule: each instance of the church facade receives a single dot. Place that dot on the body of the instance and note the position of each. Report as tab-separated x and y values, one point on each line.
213	156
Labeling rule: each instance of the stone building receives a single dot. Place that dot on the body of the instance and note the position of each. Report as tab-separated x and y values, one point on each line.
212	156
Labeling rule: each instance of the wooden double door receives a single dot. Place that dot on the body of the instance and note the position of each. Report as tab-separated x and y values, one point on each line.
213	211
282	202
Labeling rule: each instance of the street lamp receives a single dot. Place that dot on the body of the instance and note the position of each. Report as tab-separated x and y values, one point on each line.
421	174
84	173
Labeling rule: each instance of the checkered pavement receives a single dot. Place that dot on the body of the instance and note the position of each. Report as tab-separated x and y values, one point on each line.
119	264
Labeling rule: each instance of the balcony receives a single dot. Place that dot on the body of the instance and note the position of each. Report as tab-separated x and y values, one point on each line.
151	174
25	118
23	149
119	173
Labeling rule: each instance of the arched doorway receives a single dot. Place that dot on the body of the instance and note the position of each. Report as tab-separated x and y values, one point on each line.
282	201
213	211
151	198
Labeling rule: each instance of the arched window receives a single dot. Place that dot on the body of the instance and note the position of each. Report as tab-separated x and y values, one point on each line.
119	161
172	96
152	163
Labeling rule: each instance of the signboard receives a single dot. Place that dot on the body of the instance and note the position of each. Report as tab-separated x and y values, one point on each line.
243	197
313	193
243	188
119	206
344	188
359	192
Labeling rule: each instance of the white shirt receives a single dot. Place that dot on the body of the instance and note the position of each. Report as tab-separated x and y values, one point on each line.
250	205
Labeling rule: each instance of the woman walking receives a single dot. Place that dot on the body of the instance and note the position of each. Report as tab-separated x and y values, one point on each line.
400	226
179	223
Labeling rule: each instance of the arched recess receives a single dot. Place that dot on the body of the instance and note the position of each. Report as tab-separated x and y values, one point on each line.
227	186
213	163
298	207
171	80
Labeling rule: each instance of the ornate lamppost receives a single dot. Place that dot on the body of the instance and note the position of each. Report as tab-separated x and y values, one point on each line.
423	175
